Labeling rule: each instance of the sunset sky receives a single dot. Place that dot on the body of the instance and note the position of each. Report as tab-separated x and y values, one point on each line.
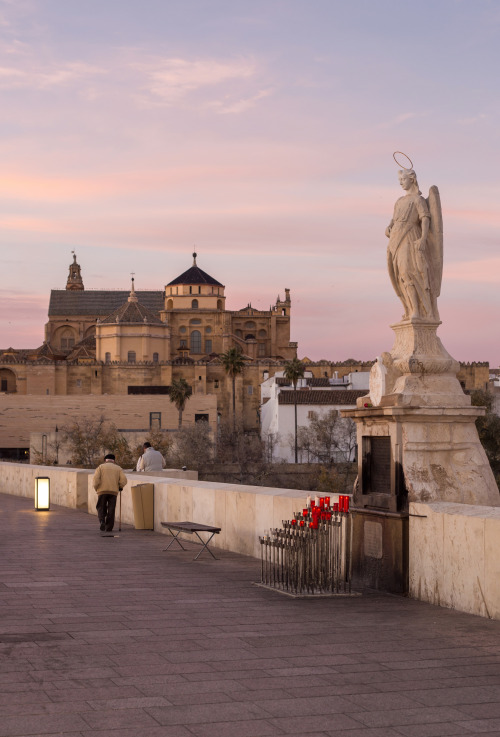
261	133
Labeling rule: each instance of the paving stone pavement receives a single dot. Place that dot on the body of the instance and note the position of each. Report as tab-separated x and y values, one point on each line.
111	637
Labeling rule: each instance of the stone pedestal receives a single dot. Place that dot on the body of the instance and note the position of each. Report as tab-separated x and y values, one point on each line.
421	454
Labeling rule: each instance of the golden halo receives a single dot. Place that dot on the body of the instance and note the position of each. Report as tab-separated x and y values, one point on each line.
399	163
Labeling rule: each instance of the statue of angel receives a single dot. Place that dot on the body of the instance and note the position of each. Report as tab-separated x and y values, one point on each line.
415	250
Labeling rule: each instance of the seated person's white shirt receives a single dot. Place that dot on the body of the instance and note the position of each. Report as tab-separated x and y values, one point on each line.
151	460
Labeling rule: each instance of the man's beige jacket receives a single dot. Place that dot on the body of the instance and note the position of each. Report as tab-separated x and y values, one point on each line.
109	478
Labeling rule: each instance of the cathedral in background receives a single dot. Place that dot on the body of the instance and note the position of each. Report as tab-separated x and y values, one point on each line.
116	353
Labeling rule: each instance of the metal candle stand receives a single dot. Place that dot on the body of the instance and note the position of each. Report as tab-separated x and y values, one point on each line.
311	554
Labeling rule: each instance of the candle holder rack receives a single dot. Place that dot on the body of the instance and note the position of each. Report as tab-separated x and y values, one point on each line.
311	554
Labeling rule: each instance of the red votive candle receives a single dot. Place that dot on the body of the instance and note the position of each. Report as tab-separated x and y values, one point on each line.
302	523
327	501
304	512
346	503
328	515
321	502
293	522
336	507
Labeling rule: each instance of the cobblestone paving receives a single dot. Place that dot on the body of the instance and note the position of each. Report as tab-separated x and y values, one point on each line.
111	637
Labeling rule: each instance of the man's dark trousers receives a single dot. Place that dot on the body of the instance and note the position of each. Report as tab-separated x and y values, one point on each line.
106	504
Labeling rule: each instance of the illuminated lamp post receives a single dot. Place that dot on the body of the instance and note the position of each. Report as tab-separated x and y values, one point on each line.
42	494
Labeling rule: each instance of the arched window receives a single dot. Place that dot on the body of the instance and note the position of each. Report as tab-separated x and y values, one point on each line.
195	342
170	304
8	381
250	325
107	358
131	357
155	357
67	339
250	336
219	304
208	346
262	334
194	304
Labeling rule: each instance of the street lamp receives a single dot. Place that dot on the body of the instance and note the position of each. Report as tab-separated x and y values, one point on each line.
42	493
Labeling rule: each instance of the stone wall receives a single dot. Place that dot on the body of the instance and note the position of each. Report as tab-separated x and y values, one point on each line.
242	512
21	415
454	560
68	486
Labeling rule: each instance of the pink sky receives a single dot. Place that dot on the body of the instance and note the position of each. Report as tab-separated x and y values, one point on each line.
263	135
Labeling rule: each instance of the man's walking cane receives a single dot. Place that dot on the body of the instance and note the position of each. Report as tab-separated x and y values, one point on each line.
120	513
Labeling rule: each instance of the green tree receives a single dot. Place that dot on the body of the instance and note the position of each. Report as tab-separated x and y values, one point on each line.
233	363
180	391
293	371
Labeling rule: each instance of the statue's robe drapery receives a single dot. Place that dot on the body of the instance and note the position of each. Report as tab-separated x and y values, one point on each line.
408	266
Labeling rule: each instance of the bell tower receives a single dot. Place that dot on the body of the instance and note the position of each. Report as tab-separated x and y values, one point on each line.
75	281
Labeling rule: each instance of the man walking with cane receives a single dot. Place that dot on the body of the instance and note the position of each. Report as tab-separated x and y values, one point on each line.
109	480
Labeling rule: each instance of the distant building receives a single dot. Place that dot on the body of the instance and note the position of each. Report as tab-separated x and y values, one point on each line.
314	397
117	353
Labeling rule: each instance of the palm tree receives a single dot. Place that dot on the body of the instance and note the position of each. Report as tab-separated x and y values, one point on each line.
180	391
233	363
293	371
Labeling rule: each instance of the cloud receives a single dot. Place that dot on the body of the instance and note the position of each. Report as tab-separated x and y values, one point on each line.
473	119
172	79
227	106
34	76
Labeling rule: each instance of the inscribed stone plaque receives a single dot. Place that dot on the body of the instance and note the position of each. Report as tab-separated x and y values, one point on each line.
373	539
380	465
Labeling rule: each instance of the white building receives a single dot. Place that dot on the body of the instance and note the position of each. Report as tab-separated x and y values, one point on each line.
315	399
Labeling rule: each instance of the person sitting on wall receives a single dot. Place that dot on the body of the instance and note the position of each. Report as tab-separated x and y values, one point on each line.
109	480
151	460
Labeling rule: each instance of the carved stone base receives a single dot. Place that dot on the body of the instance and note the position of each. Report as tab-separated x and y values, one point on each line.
438	449
418	372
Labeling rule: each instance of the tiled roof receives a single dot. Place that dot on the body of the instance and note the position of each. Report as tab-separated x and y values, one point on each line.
195	275
326	396
322	381
98	302
86	347
132	312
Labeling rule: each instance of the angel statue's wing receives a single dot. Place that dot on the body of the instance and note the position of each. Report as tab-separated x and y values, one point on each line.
435	241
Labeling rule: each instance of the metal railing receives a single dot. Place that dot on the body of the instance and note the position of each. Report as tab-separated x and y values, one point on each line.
311	554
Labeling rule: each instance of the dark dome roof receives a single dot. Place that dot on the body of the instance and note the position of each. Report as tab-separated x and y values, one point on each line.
195	275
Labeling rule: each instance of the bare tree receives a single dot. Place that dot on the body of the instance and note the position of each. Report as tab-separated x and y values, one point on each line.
328	438
193	447
271	440
89	438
